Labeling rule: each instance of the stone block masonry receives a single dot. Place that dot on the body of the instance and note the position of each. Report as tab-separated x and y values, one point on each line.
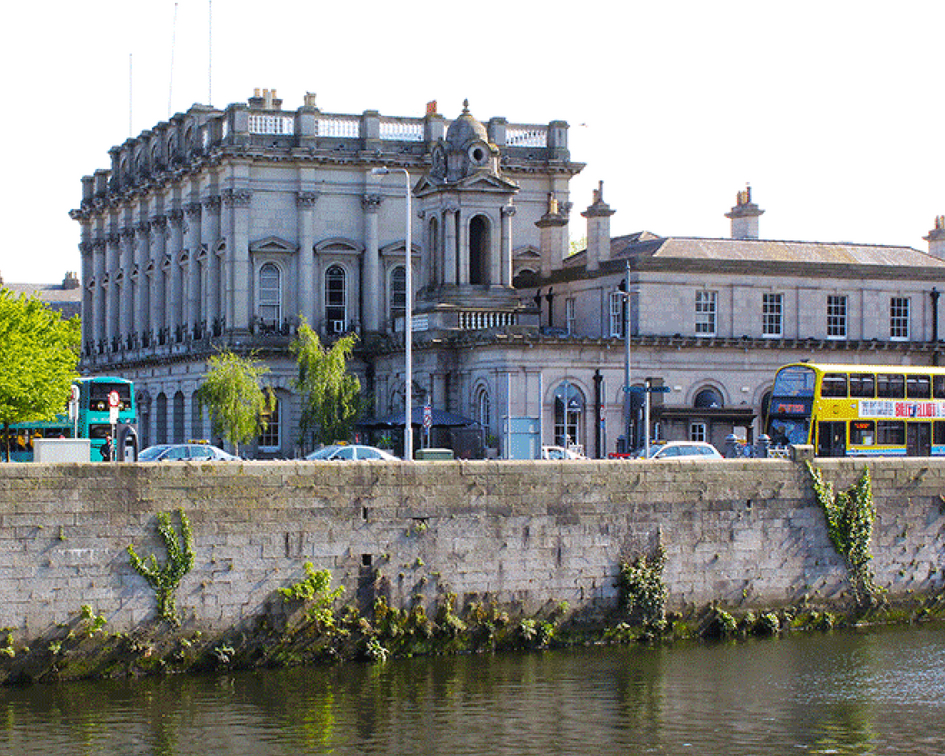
746	533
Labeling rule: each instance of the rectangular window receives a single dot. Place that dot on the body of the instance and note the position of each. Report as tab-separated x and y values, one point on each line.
899	318
938	386
938	432
569	314
269	438
862	385
617	316
891	432
772	311
834	384
862	432
890	386
697	432
836	317
705	313
919	387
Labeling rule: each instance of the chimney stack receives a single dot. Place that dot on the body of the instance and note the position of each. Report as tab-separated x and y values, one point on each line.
598	229
744	216
936	238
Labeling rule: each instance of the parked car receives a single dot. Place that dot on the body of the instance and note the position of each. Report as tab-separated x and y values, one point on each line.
184	453
674	449
559	452
350	452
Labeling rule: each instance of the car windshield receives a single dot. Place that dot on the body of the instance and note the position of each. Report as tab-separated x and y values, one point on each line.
152	453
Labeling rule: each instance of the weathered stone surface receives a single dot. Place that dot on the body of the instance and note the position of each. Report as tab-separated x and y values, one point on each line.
743	532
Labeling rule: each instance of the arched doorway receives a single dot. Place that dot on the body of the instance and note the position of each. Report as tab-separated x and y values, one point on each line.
569	416
479	245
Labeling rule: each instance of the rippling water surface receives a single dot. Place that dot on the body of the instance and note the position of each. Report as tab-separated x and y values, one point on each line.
875	692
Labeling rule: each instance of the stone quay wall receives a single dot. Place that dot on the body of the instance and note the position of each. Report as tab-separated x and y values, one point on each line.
745	533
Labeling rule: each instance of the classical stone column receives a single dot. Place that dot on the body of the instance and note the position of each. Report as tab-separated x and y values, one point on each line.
157	315
209	235
109	282
462	248
449	246
126	308
507	212
239	201
305	202
142	316
174	316
192	227
372	288
95	325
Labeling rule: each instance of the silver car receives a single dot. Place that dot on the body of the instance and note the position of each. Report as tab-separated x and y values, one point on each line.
689	449
350	452
185	453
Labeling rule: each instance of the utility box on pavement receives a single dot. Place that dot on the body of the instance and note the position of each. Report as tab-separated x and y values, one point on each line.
61	450
433	454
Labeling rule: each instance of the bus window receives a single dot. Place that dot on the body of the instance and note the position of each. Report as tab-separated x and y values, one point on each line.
863	385
834	384
891	432
862	432
938	432
918	387
890	386
794	381
99	431
784	431
938	386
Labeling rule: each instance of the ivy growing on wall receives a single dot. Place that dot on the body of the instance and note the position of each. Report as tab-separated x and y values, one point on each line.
850	516
642	590
180	560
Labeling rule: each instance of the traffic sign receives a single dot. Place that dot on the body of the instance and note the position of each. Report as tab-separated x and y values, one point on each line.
427	416
113	399
651	389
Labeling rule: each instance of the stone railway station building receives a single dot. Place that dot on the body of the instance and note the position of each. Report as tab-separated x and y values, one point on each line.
224	228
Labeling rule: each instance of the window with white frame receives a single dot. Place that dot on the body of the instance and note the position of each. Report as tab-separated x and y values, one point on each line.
836	316
336	300
617	316
772	315
398	292
697	432
705	312
569	415
484	409
569	314
269	438
269	294
899	318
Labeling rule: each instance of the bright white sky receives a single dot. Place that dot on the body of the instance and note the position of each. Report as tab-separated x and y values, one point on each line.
831	110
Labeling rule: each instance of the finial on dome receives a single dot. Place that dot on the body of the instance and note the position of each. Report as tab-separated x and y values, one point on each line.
466	106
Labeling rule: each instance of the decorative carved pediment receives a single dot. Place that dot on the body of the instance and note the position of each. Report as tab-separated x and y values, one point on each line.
526	254
484	182
273	245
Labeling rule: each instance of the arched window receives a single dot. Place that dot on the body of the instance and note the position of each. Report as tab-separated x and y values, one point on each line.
269	438
336	299
269	294
160	418
196	417
484	408
178	418
569	415
479	245
398	292
708	398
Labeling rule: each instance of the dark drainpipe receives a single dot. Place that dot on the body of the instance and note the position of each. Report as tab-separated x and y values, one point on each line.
598	413
934	294
549	297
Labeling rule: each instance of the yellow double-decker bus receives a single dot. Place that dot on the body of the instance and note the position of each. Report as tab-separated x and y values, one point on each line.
859	410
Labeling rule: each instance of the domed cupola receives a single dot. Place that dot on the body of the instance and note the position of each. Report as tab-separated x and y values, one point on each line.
467	149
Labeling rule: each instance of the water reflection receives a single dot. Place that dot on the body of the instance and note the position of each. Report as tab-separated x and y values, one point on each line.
880	692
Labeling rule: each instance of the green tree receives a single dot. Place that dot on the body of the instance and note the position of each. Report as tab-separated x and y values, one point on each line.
330	394
232	392
39	352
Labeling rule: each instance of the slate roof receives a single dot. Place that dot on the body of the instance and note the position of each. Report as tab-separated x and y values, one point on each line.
644	244
67	300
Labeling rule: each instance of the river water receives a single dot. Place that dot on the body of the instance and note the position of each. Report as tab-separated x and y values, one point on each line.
880	691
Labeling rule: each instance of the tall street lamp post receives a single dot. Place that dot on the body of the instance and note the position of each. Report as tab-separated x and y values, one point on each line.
408	320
